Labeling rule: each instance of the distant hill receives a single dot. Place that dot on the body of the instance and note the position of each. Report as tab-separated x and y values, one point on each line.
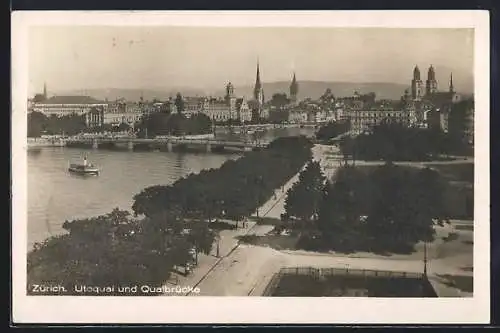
133	94
312	89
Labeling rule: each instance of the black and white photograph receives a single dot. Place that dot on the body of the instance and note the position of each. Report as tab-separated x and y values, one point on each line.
286	160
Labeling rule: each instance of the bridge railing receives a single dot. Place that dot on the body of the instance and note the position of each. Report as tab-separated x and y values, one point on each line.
171	140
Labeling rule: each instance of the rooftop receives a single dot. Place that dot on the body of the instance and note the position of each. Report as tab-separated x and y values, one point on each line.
71	100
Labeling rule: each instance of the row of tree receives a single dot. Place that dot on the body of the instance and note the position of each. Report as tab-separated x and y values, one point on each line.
115	251
236	189
174	124
39	124
122	250
332	130
386	209
303	198
396	142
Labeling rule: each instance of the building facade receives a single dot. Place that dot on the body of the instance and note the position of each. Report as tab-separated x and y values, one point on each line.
195	105
68	105
228	108
364	119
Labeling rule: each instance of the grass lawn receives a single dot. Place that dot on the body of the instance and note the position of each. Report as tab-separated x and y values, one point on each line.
463	283
277	242
351	286
458	172
266	220
462	172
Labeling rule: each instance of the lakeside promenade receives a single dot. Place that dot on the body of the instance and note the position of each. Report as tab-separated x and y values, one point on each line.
245	270
237	267
210	266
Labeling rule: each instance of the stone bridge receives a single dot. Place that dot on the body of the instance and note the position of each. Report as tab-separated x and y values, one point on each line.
167	143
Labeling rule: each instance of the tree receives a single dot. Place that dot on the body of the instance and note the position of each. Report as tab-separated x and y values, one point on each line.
407	205
347	147
112	249
201	237
302	201
123	127
331	130
278	116
279	101
179	103
458	125
340	210
255	116
37	123
198	124
38	98
118	248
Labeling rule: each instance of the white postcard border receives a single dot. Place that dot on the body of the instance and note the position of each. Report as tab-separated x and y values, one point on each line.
67	309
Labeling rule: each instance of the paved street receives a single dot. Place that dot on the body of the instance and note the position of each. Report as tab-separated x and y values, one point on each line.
233	272
246	269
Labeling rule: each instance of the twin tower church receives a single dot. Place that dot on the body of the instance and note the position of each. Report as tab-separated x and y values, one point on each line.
431	86
418	91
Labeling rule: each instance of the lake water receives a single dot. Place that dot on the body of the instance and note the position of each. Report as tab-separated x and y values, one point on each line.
55	195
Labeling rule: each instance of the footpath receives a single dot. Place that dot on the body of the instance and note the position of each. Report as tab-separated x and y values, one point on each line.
210	266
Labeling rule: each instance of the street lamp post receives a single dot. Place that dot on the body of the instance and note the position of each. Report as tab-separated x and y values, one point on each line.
259	184
425	259
218	246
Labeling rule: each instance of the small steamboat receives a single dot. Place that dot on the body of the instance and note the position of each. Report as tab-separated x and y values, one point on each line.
85	168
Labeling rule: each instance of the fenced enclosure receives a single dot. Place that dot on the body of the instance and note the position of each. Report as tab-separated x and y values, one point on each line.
345	282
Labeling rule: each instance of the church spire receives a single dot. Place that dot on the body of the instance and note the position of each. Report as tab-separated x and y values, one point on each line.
451	83
258	92
294	88
416	73
258	85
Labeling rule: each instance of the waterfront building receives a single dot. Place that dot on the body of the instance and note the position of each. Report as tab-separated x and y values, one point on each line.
297	116
115	119
68	105
116	113
364	112
420	108
194	105
98	117
244	112
218	110
94	118
364	119
229	107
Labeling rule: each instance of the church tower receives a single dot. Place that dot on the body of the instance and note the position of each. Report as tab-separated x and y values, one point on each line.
416	85
294	89
230	98
258	92
431	83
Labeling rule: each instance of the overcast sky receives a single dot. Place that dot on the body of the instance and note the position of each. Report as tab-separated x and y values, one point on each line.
165	57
